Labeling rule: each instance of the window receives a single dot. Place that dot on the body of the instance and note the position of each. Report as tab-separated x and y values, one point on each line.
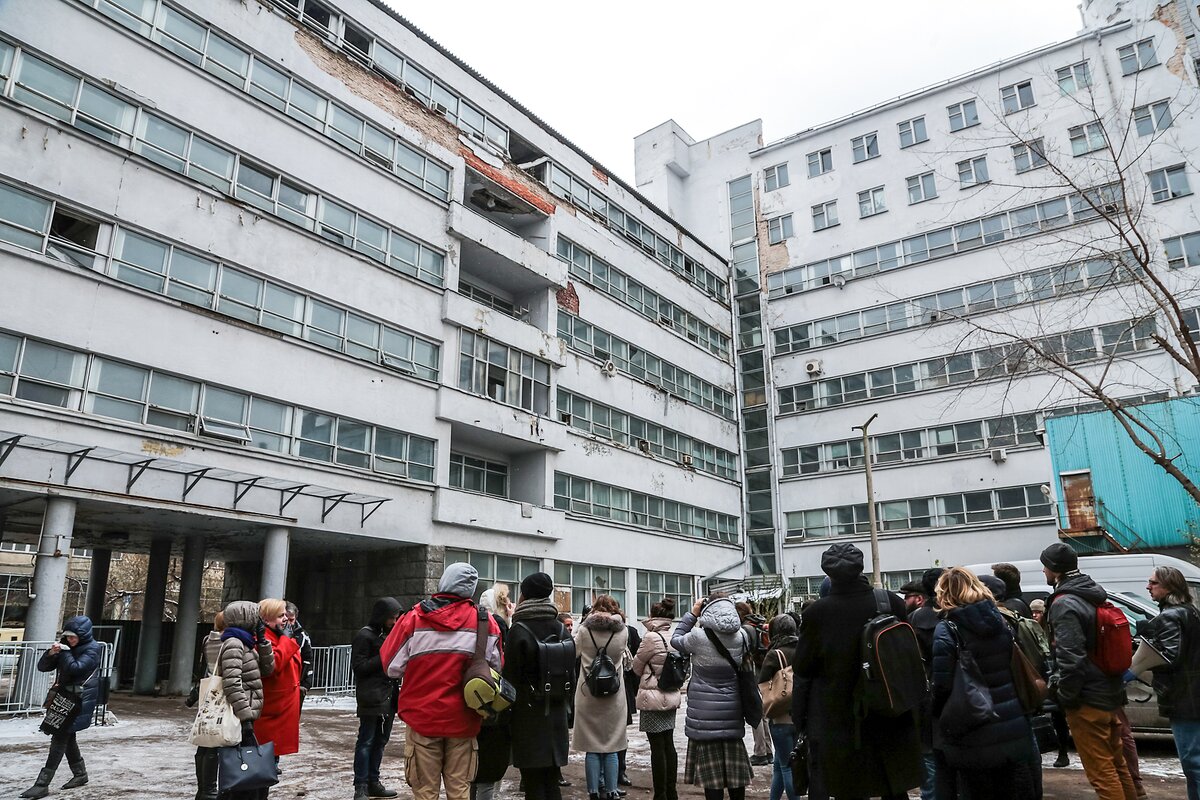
1168	183
506	375
1074	77
776	177
494	568
865	147
654	586
824	215
1137	56
963	115
478	475
779	228
912	131
1183	251
1029	156
24	218
1087	138
1017	97
592	498
588	581
820	162
972	172
921	188
870	202
1154	117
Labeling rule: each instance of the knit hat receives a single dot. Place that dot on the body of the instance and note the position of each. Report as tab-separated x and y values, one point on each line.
537	586
1038	605
1060	558
842	562
459	579
929	579
994	585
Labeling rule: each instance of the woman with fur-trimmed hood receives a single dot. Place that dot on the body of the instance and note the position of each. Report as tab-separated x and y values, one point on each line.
600	721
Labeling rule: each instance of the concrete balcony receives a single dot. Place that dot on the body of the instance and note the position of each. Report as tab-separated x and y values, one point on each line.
495	514
501	257
463	312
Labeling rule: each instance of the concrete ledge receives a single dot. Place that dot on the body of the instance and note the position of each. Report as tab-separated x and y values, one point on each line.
470	226
472	510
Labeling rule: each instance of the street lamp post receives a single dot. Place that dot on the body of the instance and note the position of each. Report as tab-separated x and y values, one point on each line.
875	573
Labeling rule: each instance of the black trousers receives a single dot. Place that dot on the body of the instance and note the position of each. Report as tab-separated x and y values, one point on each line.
664	764
541	783
60	745
735	793
206	773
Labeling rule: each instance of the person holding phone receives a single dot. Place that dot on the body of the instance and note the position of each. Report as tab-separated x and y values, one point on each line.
76	660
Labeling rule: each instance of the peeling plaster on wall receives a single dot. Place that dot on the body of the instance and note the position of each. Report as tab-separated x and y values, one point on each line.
568	298
1168	15
596	449
600	176
658	482
771	257
514	179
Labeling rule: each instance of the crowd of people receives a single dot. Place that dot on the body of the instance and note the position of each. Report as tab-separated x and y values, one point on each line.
1007	680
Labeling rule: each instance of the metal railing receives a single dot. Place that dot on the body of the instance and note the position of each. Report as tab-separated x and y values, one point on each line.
23	688
332	676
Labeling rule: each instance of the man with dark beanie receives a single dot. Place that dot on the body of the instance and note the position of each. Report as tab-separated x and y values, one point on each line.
375	697
873	757
538	723
1089	697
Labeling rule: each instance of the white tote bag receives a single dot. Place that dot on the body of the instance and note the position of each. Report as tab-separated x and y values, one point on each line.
216	725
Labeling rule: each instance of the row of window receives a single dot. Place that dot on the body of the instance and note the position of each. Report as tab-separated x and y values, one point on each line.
586	338
145	17
478	475
1014	97
942	511
1026	287
809	588
1004	226
1085	344
44	373
611	423
920	444
505	374
45	226
565	185
493	301
38	84
596	272
586	582
595	499
202	45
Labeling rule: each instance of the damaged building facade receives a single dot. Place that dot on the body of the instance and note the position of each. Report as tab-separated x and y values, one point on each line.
289	286
902	260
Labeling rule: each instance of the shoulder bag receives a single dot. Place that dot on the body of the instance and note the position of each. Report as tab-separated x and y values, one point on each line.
970	703
246	768
777	692
751	700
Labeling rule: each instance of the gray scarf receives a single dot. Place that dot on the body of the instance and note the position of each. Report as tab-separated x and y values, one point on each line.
540	608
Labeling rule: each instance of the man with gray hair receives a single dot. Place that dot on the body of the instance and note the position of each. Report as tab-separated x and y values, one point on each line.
294	629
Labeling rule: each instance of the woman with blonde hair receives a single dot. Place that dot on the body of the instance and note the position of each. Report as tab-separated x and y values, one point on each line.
988	759
280	718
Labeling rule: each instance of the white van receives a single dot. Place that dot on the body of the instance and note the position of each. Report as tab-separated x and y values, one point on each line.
1118	574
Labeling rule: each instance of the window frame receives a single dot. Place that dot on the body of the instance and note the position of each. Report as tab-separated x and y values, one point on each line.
911	132
820	162
776	177
825	216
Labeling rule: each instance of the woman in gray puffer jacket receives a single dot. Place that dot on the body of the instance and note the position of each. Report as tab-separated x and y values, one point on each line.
716	754
245	657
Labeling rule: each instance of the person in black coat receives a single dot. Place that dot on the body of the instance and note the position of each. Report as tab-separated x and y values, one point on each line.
540	742
631	690
75	660
870	757
375	696
988	758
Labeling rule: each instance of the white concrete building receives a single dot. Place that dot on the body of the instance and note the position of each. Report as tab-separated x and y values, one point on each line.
286	283
879	258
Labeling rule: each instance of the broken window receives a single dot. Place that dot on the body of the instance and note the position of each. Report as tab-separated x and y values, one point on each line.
358	41
865	147
820	162
73	238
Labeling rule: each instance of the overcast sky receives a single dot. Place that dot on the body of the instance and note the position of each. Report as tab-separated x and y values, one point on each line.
601	73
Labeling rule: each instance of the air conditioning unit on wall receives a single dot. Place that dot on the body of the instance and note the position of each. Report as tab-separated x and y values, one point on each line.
813	367
1000	455
609	368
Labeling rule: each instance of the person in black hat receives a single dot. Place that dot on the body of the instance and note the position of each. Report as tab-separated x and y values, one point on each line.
924	620
538	724
884	758
1090	698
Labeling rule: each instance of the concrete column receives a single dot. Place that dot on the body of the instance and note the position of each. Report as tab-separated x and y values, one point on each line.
183	654
97	589
146	671
275	563
44	617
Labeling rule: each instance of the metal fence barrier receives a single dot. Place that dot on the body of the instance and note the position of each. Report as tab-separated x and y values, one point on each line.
332	676
23	688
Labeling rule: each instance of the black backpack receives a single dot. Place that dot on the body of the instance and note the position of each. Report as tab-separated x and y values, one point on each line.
555	666
674	671
602	677
893	680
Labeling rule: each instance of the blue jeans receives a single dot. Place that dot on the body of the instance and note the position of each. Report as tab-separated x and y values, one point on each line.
928	791
783	737
592	765
1187	743
373	734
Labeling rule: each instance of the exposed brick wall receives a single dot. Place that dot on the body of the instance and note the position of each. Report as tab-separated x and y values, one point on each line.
568	298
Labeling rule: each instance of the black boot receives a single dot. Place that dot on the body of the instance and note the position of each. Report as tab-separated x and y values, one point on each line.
377	789
360	791
206	773
41	787
79	776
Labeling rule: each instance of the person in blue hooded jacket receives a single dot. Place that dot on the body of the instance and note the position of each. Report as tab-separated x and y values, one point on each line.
76	659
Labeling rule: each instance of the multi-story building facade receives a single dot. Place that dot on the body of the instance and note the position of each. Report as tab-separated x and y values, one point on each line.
910	264
287	284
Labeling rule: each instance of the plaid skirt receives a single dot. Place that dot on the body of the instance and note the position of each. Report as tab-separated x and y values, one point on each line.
719	764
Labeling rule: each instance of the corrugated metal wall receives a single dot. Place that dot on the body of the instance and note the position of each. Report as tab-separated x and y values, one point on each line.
1132	486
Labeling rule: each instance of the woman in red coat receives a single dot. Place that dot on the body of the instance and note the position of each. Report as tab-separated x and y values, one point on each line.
280	718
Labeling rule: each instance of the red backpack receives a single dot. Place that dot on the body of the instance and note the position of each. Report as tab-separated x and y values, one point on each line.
1114	643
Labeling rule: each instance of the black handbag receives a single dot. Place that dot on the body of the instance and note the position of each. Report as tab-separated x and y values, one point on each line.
752	709
1044	733
970	703
63	707
246	768
798	761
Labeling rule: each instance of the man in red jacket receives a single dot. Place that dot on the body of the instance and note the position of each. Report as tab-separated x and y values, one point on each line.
430	649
